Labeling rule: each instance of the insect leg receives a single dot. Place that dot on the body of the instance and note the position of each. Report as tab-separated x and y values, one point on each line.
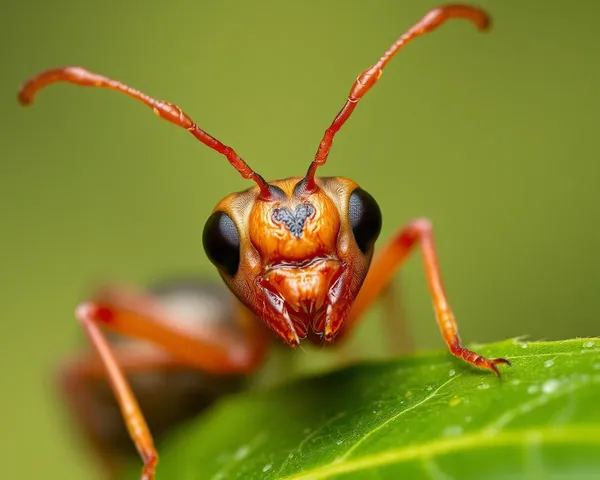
394	322
385	265
74	375
211	354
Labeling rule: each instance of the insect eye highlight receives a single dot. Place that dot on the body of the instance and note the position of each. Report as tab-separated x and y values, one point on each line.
365	219
221	242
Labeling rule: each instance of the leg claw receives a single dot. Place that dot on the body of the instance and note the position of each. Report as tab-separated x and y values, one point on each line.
493	364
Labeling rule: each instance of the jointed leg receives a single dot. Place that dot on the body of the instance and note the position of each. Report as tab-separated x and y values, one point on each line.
385	265
77	378
393	320
132	415
214	355
126	297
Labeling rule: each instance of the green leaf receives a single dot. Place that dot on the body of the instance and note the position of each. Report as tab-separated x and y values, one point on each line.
426	416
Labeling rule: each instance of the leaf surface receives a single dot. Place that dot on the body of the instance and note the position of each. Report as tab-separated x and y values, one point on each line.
425	416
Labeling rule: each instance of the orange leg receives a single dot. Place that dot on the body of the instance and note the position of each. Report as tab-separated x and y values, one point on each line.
129	298
72	380
210	354
381	273
394	321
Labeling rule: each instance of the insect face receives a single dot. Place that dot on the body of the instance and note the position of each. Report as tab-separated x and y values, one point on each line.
298	259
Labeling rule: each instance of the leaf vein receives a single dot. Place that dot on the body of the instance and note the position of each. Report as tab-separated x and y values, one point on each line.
580	434
393	418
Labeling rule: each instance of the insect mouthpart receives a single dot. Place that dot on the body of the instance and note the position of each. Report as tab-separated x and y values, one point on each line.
302	292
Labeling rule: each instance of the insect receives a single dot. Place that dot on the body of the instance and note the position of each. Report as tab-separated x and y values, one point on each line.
297	253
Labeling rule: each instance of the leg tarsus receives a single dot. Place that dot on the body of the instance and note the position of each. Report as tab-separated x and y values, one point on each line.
477	360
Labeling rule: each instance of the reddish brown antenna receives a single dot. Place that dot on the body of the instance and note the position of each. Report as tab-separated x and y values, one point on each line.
369	77
167	111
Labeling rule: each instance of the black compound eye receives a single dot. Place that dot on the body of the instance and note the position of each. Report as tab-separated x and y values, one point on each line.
365	219
221	242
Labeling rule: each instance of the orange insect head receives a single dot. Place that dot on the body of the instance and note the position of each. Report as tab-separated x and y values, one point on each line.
294	259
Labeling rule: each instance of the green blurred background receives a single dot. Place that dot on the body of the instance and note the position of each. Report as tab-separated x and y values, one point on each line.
494	137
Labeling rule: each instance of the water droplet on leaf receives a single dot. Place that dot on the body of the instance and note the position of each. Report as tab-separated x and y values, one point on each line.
550	386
